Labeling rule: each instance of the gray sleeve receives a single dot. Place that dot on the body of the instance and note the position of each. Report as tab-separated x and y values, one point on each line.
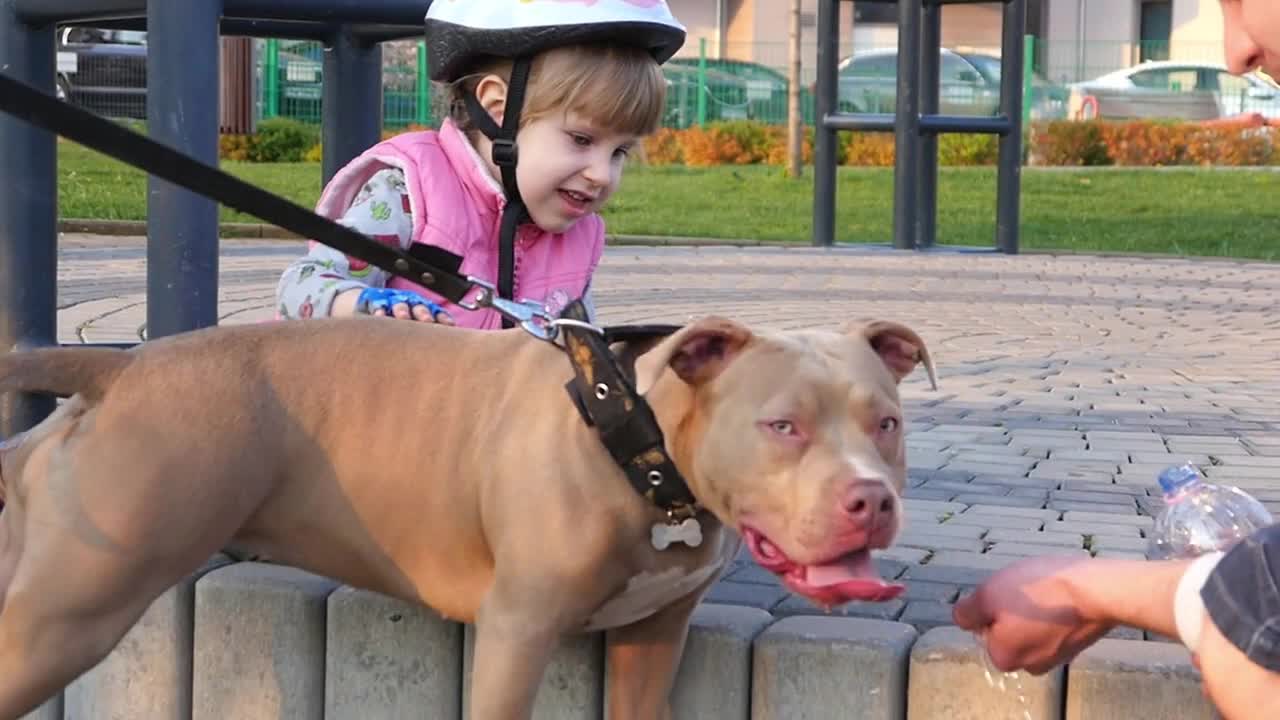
1242	596
309	284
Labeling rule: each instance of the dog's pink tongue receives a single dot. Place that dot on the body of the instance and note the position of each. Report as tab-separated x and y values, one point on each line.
854	576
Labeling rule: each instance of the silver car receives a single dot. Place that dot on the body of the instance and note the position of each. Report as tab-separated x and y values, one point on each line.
969	85
1170	89
868	84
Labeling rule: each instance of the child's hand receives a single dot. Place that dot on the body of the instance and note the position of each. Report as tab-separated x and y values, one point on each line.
400	304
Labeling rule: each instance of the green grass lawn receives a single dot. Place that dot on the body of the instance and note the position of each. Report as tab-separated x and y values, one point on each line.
1180	211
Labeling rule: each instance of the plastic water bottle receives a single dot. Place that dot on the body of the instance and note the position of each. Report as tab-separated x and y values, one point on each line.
1201	517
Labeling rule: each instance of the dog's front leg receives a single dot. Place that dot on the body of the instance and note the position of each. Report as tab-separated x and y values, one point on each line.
642	659
512	649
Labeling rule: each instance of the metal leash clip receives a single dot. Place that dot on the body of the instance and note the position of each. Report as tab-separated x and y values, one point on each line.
528	314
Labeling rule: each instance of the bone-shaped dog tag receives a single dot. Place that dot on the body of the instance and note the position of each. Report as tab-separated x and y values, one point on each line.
688	532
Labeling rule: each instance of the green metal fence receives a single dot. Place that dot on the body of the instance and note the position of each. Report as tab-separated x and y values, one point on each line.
292	76
750	82
701	89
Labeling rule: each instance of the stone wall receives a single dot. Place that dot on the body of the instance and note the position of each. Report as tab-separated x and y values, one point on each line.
254	641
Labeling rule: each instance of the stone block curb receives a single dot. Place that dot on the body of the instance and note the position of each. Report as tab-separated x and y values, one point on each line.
714	679
830	666
259	643
946	659
1126	679
387	659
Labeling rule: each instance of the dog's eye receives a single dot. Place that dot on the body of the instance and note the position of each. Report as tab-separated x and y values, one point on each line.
889	424
783	427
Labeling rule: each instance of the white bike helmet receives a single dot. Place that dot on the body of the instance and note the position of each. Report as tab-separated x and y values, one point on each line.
459	33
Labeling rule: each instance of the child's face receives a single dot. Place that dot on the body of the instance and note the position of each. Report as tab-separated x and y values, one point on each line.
1252	37
568	168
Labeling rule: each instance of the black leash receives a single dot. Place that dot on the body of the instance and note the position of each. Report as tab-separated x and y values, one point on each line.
429	266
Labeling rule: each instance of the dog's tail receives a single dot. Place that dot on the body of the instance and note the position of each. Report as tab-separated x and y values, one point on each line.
63	371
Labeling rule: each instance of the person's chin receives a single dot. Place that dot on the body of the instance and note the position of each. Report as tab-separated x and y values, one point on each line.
555	223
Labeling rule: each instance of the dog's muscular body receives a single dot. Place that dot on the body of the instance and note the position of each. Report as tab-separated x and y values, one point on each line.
446	467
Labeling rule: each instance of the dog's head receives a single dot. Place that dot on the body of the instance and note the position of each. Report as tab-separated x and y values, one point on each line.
796	439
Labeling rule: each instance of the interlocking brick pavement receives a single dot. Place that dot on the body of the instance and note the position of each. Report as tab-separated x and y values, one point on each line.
1065	383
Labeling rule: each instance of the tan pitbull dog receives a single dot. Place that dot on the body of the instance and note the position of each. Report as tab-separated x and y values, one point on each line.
446	467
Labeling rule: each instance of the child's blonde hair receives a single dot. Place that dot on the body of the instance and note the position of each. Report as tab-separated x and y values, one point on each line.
619	88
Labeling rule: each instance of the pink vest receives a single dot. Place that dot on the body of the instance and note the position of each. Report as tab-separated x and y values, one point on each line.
456	205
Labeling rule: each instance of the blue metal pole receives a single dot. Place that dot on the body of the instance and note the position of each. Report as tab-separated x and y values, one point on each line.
907	126
1009	174
930	89
182	112
28	215
352	100
329	12
825	142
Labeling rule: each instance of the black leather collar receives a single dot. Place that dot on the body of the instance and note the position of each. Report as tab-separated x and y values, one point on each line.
607	400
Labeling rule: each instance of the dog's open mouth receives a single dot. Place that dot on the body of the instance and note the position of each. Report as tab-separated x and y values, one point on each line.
852	576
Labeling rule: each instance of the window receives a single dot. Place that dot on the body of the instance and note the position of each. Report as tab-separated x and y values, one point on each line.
873	12
1229	84
90	35
987	65
955	70
1183	81
872	66
1175	79
1154	26
84	35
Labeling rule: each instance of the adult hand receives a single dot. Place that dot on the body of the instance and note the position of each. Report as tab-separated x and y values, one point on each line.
401	304
1041	612
1030	614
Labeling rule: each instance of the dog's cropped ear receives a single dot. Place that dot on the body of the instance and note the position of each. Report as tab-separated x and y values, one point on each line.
695	353
899	347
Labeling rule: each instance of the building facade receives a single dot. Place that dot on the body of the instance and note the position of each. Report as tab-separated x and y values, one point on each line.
1076	39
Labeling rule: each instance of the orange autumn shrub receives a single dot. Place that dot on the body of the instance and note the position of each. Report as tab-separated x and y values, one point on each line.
1248	141
1242	141
869	150
662	148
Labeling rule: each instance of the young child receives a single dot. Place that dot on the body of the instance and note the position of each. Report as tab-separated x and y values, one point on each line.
547	98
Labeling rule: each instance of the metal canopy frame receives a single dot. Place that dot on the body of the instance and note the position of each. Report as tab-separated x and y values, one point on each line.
916	123
182	112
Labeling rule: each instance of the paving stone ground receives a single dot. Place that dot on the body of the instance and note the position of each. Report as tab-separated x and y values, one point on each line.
1065	383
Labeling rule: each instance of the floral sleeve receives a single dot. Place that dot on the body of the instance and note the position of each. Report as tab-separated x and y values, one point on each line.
381	211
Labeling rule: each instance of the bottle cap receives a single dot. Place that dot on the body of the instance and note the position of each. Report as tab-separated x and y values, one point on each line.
1177	477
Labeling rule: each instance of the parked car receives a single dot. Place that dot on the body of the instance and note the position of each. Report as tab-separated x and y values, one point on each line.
766	88
1188	90
103	70
1048	100
969	85
726	95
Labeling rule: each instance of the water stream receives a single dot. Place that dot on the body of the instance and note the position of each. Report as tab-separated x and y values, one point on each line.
1005	681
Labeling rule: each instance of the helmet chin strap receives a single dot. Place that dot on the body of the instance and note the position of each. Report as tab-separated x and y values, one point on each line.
505	154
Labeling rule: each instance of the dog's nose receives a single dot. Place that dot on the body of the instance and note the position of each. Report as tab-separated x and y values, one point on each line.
866	503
